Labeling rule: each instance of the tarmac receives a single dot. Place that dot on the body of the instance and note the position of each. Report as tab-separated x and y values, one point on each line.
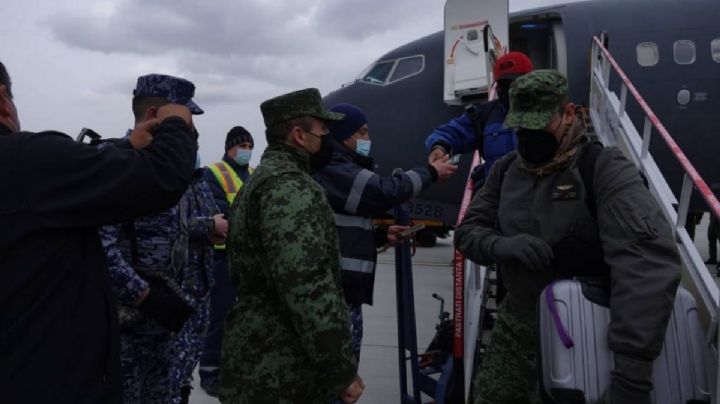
432	273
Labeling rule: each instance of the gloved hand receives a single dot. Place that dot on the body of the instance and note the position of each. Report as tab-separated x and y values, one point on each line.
532	252
165	306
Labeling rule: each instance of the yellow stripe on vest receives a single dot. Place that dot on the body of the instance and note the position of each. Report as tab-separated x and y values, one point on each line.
230	183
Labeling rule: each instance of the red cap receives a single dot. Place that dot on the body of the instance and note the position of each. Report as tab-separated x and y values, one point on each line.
511	66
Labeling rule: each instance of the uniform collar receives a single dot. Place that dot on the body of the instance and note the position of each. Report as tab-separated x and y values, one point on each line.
298	157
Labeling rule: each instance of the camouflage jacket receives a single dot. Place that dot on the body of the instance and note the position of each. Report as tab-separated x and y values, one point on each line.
155	236
287	337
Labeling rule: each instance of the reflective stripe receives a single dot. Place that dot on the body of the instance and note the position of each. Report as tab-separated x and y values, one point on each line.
353	221
357	189
356	265
416	181
230	183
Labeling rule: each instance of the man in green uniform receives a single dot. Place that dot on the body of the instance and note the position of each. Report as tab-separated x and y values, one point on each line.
287	338
542	218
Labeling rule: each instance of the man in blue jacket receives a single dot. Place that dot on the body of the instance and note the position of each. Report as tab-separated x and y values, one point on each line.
356	194
481	126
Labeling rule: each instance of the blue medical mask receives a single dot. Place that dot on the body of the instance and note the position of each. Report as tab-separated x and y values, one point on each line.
242	157
363	147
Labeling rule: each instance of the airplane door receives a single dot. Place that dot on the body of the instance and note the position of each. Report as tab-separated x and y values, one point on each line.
465	66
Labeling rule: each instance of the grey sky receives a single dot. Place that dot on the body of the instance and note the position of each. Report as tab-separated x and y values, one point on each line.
75	63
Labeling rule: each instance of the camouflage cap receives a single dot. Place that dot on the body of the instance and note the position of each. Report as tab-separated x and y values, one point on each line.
535	98
299	103
174	89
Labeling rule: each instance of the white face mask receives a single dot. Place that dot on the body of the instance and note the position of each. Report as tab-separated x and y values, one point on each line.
362	147
242	157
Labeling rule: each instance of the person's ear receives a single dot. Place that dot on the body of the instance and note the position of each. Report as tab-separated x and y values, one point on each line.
151	113
569	113
5	103
297	137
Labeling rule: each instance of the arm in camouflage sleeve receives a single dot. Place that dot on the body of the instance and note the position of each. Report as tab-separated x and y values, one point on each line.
124	281
644	266
299	234
476	234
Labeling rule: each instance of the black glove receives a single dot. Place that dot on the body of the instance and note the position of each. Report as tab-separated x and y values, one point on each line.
165	306
532	252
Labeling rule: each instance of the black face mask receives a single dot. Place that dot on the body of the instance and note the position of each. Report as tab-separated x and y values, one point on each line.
321	158
536	146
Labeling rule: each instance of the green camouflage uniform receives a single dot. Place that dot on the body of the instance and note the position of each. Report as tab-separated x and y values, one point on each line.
287	338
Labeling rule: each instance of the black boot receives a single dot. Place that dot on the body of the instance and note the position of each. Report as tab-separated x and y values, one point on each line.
185	394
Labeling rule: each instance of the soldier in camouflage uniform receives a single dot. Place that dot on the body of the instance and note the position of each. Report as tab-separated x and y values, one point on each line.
533	216
287	338
154	263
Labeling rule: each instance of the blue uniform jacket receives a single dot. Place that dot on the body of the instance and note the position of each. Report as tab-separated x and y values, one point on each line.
356	194
460	134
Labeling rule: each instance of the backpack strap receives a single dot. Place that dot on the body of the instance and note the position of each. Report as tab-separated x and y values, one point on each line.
586	165
478	119
504	166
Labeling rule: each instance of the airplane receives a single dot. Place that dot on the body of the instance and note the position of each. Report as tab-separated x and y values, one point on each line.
670	49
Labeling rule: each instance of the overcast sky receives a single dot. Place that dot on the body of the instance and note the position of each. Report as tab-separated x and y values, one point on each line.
75	63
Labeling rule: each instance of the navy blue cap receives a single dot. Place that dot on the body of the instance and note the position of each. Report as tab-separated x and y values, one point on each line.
174	89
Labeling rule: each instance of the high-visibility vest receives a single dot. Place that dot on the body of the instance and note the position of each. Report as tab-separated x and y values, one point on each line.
229	181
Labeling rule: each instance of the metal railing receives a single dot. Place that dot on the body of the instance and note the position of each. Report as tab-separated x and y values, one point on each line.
614	127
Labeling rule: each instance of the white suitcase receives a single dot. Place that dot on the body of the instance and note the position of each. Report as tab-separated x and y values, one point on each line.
575	360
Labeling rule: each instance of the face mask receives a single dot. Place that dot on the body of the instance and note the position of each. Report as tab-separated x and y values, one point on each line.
321	158
197	162
242	157
536	146
363	147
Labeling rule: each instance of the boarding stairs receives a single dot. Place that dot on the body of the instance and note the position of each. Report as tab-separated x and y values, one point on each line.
474	305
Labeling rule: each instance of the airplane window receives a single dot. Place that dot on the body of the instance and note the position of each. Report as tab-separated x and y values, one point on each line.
647	54
715	49
379	73
408	67
684	52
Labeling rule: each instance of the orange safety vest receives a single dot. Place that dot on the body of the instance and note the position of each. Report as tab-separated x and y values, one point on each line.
229	181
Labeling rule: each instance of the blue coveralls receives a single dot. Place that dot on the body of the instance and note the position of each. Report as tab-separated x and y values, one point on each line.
153	359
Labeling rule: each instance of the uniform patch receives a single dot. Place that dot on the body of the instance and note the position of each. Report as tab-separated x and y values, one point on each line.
565	192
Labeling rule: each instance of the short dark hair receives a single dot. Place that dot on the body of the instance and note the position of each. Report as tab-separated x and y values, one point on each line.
5	80
141	104
278	134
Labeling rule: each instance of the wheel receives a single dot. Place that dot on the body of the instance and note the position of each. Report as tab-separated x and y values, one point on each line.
426	238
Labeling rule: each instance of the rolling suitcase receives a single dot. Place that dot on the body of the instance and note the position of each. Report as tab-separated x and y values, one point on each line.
575	360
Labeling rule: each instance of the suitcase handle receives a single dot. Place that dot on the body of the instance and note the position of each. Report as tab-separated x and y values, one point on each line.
559	326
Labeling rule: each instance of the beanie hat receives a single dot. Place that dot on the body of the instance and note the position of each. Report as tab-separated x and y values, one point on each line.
354	119
236	136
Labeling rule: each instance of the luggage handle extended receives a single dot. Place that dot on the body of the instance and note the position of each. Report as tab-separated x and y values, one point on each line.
559	326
